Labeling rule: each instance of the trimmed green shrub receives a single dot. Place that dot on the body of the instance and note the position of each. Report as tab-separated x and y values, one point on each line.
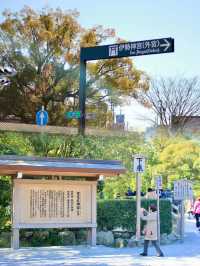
5	239
5	198
122	213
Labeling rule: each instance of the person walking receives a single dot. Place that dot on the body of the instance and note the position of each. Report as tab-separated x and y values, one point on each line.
190	208
196	212
150	230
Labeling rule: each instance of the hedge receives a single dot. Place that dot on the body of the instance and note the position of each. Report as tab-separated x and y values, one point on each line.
122	213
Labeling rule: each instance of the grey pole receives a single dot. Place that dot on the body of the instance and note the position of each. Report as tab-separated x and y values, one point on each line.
138	205
82	96
182	220
158	216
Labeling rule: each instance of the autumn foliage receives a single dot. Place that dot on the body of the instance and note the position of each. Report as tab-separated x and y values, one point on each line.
44	47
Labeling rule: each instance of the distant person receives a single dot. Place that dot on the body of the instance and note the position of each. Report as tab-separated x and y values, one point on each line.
190	208
151	194
168	193
196	212
161	193
130	193
150	231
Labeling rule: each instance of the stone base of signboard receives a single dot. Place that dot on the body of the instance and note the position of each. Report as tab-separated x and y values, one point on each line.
91	237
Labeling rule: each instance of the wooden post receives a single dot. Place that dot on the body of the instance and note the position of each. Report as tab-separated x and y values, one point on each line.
15	238
89	236
94	214
91	232
15	231
94	236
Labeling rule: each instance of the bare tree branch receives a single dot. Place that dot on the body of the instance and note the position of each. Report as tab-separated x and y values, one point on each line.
174	100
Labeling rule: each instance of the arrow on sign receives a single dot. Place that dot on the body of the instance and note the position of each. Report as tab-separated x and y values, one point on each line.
42	118
166	45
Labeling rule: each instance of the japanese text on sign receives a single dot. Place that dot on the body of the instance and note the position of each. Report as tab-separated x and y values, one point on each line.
138	48
54	204
183	190
133	48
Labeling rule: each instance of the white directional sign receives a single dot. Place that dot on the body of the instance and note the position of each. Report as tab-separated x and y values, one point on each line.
139	163
90	116
183	189
158	182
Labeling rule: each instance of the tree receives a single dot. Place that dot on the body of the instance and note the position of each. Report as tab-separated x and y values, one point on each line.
43	48
174	100
179	159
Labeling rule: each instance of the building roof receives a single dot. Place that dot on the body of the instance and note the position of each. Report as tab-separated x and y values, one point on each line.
50	166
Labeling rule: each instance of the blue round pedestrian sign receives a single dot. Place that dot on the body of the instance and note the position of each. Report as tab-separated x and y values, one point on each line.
42	117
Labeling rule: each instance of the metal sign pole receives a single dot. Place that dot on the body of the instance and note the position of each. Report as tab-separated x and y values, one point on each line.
182	221
138	205
158	187
158	215
82	96
138	167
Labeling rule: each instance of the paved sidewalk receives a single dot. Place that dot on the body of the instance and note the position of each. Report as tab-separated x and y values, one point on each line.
186	254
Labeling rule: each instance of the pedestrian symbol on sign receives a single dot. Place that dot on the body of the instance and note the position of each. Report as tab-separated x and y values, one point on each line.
139	164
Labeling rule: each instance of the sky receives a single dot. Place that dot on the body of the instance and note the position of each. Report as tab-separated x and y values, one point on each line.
136	21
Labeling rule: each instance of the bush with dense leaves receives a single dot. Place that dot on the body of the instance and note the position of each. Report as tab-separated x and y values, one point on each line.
122	213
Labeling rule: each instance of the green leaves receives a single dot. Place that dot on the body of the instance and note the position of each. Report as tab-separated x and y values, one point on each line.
122	213
173	158
5	198
44	49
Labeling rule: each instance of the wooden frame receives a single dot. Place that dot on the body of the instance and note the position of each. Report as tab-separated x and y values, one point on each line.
36	166
27	184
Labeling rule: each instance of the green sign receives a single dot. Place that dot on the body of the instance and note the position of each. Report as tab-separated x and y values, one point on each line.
73	115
